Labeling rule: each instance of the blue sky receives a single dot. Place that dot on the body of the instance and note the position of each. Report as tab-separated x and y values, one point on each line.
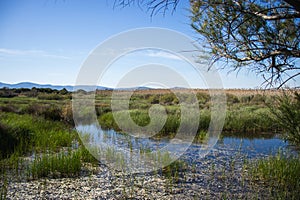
47	41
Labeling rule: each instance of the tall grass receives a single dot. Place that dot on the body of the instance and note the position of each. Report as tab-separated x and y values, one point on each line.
252	119
63	164
249	119
280	174
37	132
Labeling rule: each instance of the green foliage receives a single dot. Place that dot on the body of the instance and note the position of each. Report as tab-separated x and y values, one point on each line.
286	110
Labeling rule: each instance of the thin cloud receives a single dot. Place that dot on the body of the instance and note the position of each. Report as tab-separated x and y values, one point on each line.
163	54
18	52
15	52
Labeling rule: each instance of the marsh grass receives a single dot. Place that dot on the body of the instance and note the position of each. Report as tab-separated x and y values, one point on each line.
250	119
246	112
47	140
36	133
63	164
280	174
175	170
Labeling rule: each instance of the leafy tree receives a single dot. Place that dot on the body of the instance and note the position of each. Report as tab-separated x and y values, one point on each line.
260	35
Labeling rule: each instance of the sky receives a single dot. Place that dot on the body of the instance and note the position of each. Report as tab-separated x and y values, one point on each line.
47	41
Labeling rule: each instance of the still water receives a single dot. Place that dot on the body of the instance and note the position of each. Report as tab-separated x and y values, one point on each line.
238	145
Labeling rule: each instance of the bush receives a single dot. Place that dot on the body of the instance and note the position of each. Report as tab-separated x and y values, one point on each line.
232	99
168	99
154	99
9	108
50	97
48	111
286	109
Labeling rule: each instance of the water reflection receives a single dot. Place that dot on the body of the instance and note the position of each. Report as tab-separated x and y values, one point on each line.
132	151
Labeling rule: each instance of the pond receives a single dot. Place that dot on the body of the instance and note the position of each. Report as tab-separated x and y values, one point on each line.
238	146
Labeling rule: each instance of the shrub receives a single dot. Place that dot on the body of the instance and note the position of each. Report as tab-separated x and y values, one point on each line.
52	112
50	97
9	108
232	98
154	99
167	99
258	99
48	111
286	109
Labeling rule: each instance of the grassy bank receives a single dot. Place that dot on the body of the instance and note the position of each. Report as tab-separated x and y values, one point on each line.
245	112
279	174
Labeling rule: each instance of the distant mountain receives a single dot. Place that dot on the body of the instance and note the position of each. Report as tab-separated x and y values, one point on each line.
53	87
134	88
69	87
31	85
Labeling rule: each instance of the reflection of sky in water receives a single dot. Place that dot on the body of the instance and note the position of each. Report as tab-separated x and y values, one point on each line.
252	147
226	147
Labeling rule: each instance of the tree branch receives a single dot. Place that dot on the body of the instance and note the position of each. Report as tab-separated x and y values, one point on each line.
276	17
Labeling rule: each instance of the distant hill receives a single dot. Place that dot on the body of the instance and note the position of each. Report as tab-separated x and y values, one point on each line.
54	87
69	87
31	85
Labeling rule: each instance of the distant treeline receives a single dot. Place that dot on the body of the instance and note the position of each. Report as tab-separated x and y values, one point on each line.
40	93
